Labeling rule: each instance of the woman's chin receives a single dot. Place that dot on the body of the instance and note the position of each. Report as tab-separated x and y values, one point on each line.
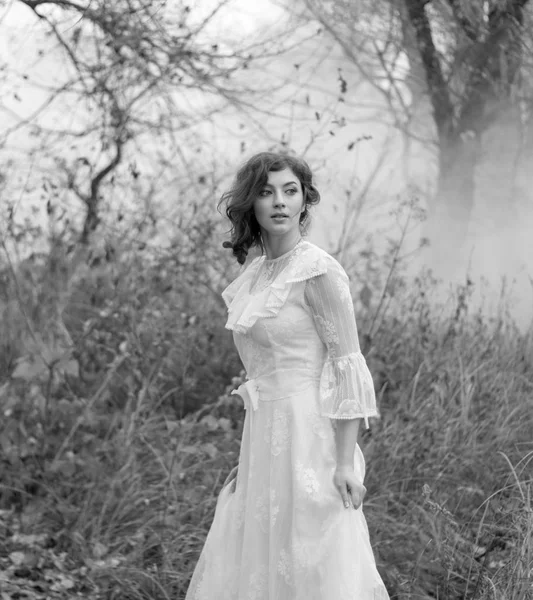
277	227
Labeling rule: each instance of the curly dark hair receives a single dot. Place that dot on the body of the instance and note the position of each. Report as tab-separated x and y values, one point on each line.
248	183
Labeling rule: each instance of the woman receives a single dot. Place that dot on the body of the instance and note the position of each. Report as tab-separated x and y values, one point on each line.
288	523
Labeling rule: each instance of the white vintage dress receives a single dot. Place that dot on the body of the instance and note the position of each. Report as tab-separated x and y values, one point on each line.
280	530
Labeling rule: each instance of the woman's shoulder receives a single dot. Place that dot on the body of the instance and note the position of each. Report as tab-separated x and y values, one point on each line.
312	250
309	262
314	257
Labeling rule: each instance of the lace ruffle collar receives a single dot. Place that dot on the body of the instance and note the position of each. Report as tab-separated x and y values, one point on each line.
244	309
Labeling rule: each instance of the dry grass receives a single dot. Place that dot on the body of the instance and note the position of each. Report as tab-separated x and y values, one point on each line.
127	489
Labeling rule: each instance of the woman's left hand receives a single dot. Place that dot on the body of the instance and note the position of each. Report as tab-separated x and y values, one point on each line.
349	487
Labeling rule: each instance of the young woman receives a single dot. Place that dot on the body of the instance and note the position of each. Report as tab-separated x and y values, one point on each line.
289	523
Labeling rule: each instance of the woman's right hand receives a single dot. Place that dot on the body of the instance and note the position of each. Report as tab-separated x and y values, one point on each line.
351	490
232	475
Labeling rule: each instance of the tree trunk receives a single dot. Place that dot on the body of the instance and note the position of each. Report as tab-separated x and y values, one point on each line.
421	124
490	66
496	182
450	211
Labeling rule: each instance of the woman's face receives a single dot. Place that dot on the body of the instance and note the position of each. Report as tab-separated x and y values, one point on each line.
280	203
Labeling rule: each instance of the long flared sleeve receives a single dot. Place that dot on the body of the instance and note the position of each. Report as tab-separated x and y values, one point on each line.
346	386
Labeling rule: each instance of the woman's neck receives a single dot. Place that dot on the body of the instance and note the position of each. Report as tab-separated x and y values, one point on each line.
279	245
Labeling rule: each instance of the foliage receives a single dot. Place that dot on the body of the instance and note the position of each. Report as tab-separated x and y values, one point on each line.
108	488
117	426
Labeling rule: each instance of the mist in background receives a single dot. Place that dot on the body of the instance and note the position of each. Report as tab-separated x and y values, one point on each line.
122	122
377	171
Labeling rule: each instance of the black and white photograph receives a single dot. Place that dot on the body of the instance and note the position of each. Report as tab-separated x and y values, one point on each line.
266	299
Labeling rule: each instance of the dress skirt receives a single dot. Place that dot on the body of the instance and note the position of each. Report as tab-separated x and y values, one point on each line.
280	530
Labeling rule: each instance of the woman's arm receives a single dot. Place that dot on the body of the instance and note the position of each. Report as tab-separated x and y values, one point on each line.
346	386
346	439
345	480
346	390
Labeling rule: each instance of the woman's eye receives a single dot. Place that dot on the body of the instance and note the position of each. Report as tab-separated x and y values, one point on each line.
292	191
264	193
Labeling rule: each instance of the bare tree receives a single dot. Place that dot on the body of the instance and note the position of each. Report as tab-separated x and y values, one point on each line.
134	66
465	60
135	74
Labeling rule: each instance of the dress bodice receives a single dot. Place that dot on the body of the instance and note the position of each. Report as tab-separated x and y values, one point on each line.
295	314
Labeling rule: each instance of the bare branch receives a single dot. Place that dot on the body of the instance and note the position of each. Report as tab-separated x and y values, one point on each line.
494	62
208	18
438	90
350	50
26	121
92	201
466	25
135	67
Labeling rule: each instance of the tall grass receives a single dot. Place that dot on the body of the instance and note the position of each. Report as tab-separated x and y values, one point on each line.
117	480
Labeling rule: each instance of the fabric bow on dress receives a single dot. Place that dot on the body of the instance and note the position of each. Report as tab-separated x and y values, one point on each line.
249	392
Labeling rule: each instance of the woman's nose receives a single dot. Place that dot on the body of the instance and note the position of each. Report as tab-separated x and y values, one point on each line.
278	200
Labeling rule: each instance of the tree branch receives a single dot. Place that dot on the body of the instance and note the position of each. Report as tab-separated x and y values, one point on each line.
33	4
132	53
91	218
349	50
465	23
496	60
438	90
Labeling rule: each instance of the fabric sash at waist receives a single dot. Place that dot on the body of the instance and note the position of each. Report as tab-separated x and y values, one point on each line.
276	386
